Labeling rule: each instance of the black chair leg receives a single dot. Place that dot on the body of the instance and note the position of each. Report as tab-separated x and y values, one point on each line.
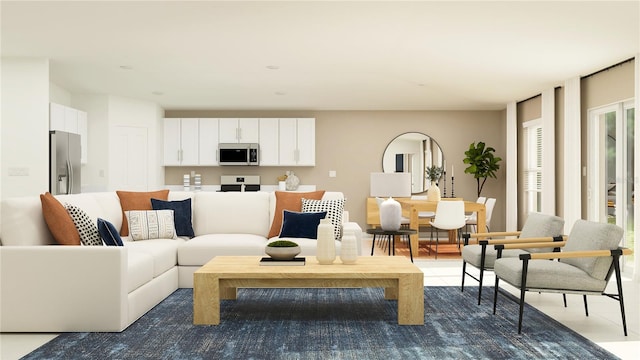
373	244
586	308
564	299
464	272
616	264
523	291
495	295
410	251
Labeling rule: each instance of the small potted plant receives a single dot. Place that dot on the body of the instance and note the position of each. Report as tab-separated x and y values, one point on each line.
433	174
282	249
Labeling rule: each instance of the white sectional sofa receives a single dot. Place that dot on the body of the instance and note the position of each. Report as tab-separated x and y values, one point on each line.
106	288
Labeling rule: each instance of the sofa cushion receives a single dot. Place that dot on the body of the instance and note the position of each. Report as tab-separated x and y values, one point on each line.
291	201
231	213
87	230
59	221
199	250
333	208
301	225
181	214
164	252
109	233
151	224
135	200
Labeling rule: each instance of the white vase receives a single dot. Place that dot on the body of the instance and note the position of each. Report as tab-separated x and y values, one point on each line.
292	182
433	193
349	248
390	215
326	250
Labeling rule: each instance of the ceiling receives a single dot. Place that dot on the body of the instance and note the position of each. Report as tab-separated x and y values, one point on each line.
322	55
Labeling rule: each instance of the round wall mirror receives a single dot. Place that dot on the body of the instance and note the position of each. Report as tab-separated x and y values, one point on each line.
412	152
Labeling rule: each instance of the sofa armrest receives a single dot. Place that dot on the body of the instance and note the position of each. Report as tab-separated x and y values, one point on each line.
357	230
63	288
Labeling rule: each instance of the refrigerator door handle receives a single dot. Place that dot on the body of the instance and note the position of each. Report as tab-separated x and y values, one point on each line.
70	177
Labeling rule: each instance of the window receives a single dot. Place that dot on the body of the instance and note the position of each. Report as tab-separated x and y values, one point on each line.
533	166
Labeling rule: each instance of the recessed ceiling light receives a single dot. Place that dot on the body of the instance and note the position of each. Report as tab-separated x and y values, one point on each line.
280	93
273	67
126	67
157	93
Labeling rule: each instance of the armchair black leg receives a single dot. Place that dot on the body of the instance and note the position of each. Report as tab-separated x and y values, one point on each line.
523	290
564	299
586	308
482	257
464	272
616	265
495	295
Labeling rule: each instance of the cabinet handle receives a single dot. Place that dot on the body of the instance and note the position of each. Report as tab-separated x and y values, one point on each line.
239	133
178	157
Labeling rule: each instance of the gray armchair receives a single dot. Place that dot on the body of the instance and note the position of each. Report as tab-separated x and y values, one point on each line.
584	266
483	255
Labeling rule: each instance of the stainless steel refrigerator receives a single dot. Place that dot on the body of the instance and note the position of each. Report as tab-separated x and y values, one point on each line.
64	163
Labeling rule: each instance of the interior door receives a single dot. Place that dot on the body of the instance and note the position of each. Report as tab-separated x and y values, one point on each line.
611	156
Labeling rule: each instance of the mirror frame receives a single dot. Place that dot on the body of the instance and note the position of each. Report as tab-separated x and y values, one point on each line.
391	158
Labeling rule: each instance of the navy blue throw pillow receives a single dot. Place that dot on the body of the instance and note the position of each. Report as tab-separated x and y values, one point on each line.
109	234
301	225
181	214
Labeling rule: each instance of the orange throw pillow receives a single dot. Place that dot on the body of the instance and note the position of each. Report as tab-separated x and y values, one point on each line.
136	200
291	201
59	221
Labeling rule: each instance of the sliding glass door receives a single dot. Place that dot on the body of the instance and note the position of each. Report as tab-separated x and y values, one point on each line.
611	163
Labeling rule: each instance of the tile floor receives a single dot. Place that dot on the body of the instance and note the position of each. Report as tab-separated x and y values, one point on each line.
603	326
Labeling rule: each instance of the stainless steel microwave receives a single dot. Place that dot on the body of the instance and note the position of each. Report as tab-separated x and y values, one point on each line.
238	154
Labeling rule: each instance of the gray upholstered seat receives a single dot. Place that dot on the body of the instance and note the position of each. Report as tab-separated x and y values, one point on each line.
584	266
537	225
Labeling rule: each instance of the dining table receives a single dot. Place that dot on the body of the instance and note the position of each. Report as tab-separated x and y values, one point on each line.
411	208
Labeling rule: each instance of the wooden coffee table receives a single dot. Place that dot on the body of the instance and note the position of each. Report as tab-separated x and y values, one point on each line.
220	278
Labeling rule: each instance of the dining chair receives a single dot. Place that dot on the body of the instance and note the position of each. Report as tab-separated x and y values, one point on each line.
449	216
537	228
472	219
584	266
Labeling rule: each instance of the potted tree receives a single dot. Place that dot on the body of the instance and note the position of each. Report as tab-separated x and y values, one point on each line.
482	163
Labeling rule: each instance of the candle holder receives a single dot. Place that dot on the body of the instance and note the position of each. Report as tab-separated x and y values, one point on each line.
452	195
444	176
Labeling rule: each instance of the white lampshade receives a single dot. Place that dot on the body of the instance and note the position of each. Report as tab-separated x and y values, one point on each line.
390	184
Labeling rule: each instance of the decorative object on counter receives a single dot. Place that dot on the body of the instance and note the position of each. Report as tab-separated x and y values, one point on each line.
197	182
349	248
186	182
282	249
326	252
434	173
482	164
390	214
282	186
292	181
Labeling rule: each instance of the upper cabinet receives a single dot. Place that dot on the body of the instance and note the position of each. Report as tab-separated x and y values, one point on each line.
64	118
283	141
297	142
243	130
181	138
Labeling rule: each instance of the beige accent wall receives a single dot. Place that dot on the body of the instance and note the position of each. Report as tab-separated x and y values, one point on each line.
352	144
604	88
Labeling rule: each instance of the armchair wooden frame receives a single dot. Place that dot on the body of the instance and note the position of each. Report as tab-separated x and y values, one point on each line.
525	258
517	243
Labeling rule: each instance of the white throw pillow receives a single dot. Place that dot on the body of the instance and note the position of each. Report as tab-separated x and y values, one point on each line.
334	209
151	224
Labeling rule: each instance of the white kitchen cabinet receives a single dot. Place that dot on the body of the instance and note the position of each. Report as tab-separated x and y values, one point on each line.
208	141
64	118
244	130
269	142
297	142
180	142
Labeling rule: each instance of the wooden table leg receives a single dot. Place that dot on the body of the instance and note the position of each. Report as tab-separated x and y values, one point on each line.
206	299
411	299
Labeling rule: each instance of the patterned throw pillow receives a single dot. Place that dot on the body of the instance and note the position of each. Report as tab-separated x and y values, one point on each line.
86	228
334	209
136	200
291	201
151	224
109	233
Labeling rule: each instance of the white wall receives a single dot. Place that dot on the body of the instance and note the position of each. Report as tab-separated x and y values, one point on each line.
59	95
95	172
25	126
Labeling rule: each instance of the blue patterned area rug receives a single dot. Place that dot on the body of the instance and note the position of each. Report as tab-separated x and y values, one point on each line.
332	324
